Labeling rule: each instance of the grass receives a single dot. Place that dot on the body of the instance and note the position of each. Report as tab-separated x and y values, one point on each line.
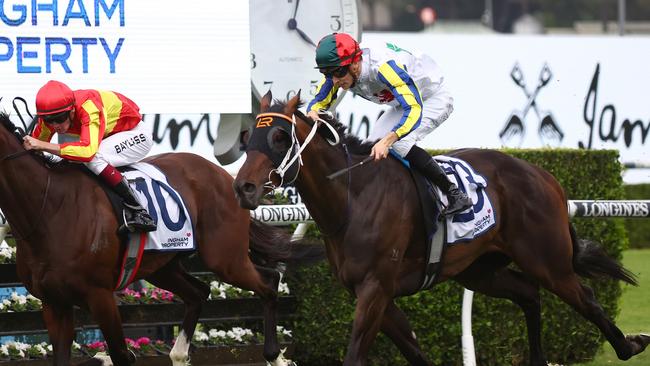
635	310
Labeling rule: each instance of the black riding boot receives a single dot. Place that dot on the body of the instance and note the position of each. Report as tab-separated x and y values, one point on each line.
135	216
424	163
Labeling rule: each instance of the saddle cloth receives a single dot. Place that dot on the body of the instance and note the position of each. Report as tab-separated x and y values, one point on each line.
174	225
469	224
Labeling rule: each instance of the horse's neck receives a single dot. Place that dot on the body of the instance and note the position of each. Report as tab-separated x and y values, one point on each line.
326	200
23	185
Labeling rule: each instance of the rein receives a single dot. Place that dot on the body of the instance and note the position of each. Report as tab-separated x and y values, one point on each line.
335	141
344	223
14	155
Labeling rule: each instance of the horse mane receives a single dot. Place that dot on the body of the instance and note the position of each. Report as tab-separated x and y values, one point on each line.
355	145
49	160
10	126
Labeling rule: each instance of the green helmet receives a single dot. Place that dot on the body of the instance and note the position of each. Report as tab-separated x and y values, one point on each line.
337	49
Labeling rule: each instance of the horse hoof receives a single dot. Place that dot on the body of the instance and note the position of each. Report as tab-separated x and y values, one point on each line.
639	342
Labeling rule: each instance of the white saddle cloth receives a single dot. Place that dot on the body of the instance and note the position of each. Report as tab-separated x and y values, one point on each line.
471	223
174	225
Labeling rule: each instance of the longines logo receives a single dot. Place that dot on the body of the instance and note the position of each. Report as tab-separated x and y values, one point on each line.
548	130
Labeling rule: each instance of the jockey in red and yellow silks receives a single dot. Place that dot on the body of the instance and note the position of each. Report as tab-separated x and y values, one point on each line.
108	133
410	82
99	114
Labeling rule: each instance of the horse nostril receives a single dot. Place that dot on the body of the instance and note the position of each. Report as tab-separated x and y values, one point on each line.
248	188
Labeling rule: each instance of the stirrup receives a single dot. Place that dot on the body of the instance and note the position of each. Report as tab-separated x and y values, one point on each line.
462	206
132	224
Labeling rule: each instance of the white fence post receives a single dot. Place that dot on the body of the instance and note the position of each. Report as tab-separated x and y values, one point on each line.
467	340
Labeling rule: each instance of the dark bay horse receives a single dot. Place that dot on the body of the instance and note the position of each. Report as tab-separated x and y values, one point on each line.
371	221
68	251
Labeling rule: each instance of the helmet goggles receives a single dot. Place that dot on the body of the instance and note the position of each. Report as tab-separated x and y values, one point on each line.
337	71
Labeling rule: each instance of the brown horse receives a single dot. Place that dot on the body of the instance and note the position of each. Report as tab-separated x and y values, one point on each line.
68	250
375	241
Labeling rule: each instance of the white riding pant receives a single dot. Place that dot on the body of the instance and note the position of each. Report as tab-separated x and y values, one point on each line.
122	148
435	110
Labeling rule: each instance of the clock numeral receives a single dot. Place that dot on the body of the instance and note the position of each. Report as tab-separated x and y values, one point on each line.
291	94
313	87
269	83
253	62
335	24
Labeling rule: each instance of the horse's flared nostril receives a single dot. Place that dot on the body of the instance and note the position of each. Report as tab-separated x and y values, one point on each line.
248	188
246	194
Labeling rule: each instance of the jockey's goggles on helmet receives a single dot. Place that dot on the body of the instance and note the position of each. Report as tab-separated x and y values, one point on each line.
55	119
339	71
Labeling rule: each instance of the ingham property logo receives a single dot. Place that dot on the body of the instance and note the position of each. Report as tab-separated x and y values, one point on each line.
514	131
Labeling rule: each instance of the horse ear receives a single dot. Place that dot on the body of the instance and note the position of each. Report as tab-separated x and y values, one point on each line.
265	103
292	104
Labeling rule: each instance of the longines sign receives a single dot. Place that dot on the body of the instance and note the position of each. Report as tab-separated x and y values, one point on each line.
609	208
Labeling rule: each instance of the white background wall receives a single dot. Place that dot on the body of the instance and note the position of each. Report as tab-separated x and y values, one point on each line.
175	57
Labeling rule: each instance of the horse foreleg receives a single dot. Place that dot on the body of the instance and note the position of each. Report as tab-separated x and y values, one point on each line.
104	311
269	295
396	326
193	292
264	282
59	322
372	300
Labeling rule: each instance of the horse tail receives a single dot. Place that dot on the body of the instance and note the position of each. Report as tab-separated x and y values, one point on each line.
590	261
270	245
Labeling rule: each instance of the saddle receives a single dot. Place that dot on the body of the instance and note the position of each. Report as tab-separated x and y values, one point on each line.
465	226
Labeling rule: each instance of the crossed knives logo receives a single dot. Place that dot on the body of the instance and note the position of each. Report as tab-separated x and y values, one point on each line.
514	130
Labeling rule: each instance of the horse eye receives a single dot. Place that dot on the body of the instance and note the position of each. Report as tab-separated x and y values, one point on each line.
279	140
244	136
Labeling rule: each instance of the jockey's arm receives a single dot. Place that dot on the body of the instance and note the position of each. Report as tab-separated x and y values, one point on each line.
40	139
407	94
32	143
326	93
91	134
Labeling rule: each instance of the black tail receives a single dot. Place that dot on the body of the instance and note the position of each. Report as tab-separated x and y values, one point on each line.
590	260
270	245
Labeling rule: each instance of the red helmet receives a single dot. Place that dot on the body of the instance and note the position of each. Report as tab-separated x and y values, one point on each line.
337	49
53	98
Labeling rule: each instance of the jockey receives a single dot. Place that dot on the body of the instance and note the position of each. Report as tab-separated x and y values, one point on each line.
109	133
411	83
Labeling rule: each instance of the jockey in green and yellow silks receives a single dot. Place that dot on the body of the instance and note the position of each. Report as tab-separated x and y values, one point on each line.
410	82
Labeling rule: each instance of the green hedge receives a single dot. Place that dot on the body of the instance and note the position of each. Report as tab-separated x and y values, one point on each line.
325	311
638	230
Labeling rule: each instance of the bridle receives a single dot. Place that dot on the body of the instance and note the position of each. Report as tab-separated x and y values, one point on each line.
294	153
288	160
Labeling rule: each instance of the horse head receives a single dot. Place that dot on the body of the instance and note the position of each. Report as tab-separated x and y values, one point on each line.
274	147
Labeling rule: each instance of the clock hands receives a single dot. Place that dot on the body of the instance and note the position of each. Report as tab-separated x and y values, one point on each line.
293	25
295	11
